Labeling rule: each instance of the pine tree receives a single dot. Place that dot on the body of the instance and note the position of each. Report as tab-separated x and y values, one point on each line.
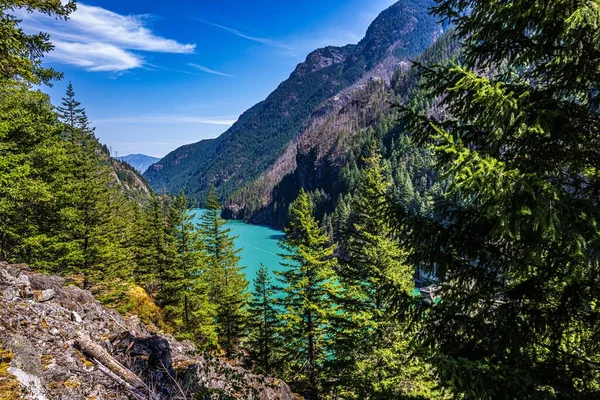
372	340
264	341
228	287
185	290
32	175
70	110
309	293
89	219
157	250
514	241
21	54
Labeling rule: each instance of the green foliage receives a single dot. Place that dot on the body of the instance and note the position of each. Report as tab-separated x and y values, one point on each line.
91	204
227	284
32	160
373	351
185	290
310	289
264	341
21	54
70	111
514	240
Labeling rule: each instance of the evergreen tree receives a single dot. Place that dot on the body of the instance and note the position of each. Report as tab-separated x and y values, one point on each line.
309	294
32	175
21	54
228	287
185	290
89	217
372	339
264	342
514	241
158	252
70	110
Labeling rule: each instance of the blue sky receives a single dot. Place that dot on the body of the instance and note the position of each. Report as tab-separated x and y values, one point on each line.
155	74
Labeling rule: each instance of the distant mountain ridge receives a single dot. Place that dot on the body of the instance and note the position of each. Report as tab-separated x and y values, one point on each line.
140	162
263	133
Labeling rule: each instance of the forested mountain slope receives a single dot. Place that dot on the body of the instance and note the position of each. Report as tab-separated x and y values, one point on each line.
325	158
132	183
262	133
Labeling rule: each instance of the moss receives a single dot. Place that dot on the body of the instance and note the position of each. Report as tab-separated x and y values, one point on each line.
47	359
72	383
84	360
9	386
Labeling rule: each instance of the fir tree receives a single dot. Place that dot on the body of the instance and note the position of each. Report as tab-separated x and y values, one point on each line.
372	340
33	171
158	250
70	110
514	241
21	54
89	218
228	287
309	294
264	341
185	290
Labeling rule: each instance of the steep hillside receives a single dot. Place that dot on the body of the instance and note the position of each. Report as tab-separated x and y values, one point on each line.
328	148
131	182
140	162
58	342
263	133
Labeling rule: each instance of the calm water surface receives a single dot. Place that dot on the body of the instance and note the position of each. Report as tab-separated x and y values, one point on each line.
258	244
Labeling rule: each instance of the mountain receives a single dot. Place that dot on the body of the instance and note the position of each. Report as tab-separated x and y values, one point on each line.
325	158
131	182
264	132
140	162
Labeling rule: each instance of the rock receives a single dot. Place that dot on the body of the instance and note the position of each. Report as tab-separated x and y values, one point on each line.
10	293
42	296
32	383
26	366
76	317
6	278
25	356
48	364
24	286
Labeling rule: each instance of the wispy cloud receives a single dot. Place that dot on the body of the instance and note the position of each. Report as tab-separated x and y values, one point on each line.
97	39
208	70
95	56
167	119
265	41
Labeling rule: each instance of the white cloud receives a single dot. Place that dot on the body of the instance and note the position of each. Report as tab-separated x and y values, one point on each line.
167	119
97	39
207	70
95	56
127	32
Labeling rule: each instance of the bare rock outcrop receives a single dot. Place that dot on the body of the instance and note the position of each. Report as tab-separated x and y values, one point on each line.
58	342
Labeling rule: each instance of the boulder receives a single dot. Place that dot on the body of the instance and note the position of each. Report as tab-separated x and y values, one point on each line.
43	295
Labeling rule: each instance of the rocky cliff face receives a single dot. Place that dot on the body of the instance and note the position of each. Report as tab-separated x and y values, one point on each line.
58	342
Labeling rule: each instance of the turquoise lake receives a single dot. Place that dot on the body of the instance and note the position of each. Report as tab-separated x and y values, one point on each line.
258	244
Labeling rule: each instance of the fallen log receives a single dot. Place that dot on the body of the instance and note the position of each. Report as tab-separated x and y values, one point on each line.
110	366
